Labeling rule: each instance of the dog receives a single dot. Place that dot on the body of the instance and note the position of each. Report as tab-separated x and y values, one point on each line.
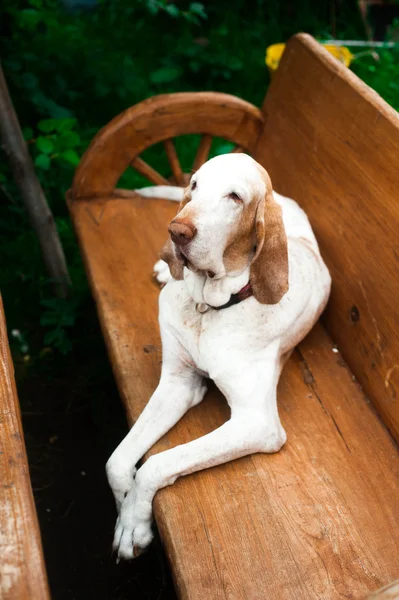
245	282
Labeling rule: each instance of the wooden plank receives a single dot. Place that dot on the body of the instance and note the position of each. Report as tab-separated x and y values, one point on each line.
158	119
22	570
317	520
332	143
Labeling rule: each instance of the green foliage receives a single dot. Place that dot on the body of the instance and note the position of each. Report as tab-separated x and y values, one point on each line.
194	13
59	316
61	142
381	73
70	73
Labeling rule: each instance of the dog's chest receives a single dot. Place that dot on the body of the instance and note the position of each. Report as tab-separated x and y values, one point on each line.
207	336
211	337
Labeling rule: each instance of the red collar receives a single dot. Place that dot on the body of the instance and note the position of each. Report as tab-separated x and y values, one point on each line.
243	294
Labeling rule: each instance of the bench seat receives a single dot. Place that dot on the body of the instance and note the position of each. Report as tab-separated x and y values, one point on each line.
319	520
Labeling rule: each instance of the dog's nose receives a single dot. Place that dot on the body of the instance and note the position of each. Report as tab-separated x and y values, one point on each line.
181	233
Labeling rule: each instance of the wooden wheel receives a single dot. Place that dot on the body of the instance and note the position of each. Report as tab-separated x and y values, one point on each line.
161	119
179	177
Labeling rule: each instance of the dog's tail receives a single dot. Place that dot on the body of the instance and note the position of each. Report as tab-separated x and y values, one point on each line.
167	192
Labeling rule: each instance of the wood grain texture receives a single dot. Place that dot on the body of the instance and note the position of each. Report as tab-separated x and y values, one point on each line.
332	143
22	570
155	120
174	162
317	520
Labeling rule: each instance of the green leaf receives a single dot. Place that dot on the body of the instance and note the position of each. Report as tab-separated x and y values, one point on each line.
44	145
51	336
152	6
67	140
198	9
42	161
165	75
48	125
172	10
71	157
66	124
28	18
44	104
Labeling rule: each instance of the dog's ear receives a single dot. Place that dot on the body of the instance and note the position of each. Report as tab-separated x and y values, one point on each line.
269	267
168	252
176	264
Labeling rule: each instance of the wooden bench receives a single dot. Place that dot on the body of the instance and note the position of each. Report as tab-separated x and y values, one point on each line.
319	520
22	570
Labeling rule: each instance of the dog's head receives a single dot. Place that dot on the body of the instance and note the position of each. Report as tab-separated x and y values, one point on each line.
227	221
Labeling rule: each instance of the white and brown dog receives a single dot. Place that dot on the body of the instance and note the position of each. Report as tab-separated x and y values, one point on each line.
245	282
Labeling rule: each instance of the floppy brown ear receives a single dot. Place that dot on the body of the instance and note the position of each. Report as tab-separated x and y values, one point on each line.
176	264
168	252
269	268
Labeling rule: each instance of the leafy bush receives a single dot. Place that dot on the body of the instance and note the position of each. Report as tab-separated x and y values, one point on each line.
56	141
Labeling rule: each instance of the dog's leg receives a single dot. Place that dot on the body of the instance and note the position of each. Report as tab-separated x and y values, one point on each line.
180	388
254	426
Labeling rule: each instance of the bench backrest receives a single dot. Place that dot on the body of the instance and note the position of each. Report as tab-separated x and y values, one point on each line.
332	143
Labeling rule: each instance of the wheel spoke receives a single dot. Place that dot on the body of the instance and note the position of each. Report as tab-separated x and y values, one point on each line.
148	172
237	150
203	151
174	162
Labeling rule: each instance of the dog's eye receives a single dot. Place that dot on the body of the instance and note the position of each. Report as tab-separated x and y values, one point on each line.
235	197
193	185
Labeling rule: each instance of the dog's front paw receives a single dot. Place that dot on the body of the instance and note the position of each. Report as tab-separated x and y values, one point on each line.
120	479
133	532
162	272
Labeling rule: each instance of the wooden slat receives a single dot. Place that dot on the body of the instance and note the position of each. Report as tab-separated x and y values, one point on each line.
317	520
203	151
148	172
332	143
174	162
22	570
155	120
